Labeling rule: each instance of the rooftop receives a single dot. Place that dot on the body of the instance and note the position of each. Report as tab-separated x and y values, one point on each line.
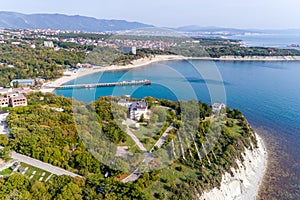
138	105
23	80
18	97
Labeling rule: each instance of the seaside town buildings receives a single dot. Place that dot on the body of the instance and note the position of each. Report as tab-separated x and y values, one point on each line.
19	100
13	99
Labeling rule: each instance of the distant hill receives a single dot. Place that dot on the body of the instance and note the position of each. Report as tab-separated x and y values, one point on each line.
64	22
213	29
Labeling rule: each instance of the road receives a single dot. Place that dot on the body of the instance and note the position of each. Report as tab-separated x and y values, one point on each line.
45	166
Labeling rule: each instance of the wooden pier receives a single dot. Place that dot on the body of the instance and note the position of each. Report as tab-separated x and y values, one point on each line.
111	84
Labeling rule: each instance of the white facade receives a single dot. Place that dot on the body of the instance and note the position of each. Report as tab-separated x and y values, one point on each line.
217	107
135	109
48	44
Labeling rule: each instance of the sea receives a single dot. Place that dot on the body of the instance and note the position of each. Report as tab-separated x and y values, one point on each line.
268	94
270	40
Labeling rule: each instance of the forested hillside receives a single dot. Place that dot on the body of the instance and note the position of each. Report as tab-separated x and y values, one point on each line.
55	138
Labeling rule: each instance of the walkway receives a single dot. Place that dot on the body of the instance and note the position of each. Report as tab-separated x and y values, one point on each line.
129	122
44	166
136	140
163	138
148	156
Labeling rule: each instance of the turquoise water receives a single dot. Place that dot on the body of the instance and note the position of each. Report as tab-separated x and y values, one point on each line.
268	93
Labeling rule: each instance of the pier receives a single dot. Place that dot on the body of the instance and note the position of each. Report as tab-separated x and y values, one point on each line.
110	84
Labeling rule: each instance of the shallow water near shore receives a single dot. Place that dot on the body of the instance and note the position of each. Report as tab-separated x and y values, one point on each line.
268	94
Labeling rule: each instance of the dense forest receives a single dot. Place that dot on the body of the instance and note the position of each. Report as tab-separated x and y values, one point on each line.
65	138
19	62
236	50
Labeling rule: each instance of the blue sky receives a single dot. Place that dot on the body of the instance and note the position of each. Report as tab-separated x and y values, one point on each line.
269	14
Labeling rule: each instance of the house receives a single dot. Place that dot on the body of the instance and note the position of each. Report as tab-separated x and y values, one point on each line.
19	100
22	82
217	107
3	115
137	109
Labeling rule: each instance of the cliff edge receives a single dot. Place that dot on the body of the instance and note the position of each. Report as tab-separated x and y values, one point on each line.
246	179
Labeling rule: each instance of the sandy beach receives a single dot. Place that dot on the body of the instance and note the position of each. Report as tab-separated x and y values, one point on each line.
72	75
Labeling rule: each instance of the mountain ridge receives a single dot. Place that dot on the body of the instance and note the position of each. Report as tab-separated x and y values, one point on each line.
15	20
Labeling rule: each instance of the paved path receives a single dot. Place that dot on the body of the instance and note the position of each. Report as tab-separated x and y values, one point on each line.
132	177
163	138
44	166
129	122
148	158
136	140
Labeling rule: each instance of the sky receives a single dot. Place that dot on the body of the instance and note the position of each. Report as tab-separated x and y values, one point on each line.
260	14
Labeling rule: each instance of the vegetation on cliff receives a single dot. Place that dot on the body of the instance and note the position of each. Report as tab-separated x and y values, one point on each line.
56	138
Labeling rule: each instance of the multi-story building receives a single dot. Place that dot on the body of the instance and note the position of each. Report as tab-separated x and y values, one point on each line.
137	109
19	100
4	102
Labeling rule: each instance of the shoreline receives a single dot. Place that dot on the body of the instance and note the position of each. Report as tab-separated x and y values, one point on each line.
70	76
247	179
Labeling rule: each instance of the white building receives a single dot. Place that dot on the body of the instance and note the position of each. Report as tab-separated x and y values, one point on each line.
217	107
131	50
137	109
4	102
124	102
3	115
48	44
19	100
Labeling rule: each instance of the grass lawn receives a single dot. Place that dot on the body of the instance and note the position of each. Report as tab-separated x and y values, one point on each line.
147	133
38	172
133	148
6	171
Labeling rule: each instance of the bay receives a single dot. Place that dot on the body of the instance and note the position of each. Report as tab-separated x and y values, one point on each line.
268	94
